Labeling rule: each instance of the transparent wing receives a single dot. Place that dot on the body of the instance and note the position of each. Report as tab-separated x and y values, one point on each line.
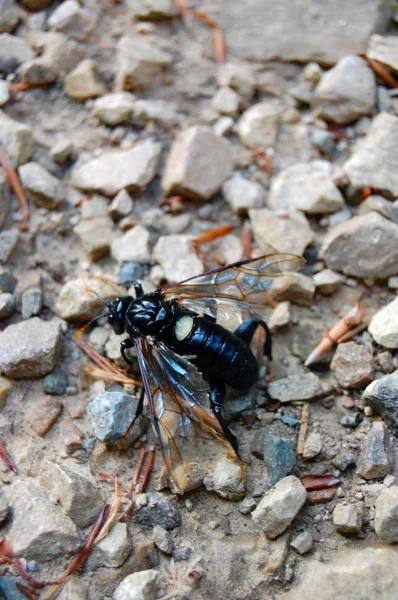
178	396
236	289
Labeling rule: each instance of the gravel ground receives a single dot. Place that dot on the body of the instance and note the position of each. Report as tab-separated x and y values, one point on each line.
107	109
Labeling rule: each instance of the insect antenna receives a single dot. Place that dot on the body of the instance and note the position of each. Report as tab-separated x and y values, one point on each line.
87	325
99	298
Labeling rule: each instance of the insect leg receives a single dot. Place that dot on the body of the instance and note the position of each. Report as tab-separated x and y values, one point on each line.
247	330
217	396
137	286
125	344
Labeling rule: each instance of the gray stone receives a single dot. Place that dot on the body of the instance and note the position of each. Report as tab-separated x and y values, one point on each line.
175	255
15	48
227	480
74	488
286	31
133	246
238	77
4	92
129	271
74	589
379	204
258	126
226	102
327	281
279	506
242	194
346	92
351	420
247	505
183	553
9	16
8	243
121	206
313	445
161	112
77	21
7	281
40	530
303	93
113	413
16	138
82	83
139	60
384	49
7	305
154	9
295	388
347	518
62	150
386	520
115	170
279	457
345	460
386	362
324	141
55	383
57	55
280	232
96	236
138	586
308	187
163	539
114	108
354	575
372	164
30	348
364	246
77	303
384	325
280	317
32	302
42	187
303	542
382	396
159	511
296	287
115	547
352	365
375	461
198	164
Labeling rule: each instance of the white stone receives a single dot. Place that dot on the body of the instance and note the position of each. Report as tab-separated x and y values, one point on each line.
289	232
280	317
226	102
327	281
16	138
139	60
133	246
138	586
115	547
238	77
242	194
384	49
384	325
347	518
258	126
43	188
227	480
313	445
4	92
386	521
175	255
82	83
114	108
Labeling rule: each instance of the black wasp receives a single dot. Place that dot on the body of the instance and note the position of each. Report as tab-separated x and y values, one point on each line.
166	326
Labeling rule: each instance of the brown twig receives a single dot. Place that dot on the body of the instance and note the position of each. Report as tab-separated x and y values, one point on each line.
173	204
148	471
99	360
208	236
16	185
138	469
246	242
319	482
381	71
106	375
305	415
218	35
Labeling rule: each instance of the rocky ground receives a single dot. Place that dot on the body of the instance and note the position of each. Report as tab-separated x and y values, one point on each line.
108	108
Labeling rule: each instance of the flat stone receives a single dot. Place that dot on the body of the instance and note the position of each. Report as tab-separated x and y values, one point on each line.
227	480
375	460
76	303
352	365
77	21
15	48
57	55
82	83
308	187
198	164
160	112
364	246
352	420
327	281
258	126
346	92
347	518
74	488
238	77
288	232
138	586
279	506
384	325
113	413
303	542
226	102
154	9
386	520
295	388
16	138
372	162
386	362
121	206
115	170
384	48
62	150
279	457
30	348
382	396
9	16
175	255
139	60
96	236
114	549
42	187
313	445
296	288
32	302
8	243
133	246
242	194
354	575
42	415
40	530
159	511
280	317
287	31
115	108
55	383
163	539
379	204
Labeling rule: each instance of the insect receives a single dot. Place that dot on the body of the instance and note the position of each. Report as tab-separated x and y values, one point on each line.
186	358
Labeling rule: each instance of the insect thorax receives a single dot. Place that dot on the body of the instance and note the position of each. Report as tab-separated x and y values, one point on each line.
150	315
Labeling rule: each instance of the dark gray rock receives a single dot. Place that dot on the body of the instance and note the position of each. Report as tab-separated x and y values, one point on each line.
7	282
182	553
279	456
113	413
159	511
55	383
375	461
344	460
129	271
32	302
351	420
382	396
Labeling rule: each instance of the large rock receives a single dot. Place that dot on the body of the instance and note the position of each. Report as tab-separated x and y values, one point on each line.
300	31
364	246
306	386
258	126
198	164
384	49
42	187
76	301
384	325
279	506
308	187
16	138
352	365
386	521
114	170
375	460
175	255
30	348
373	162
382	396
280	232
351	575
346	92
